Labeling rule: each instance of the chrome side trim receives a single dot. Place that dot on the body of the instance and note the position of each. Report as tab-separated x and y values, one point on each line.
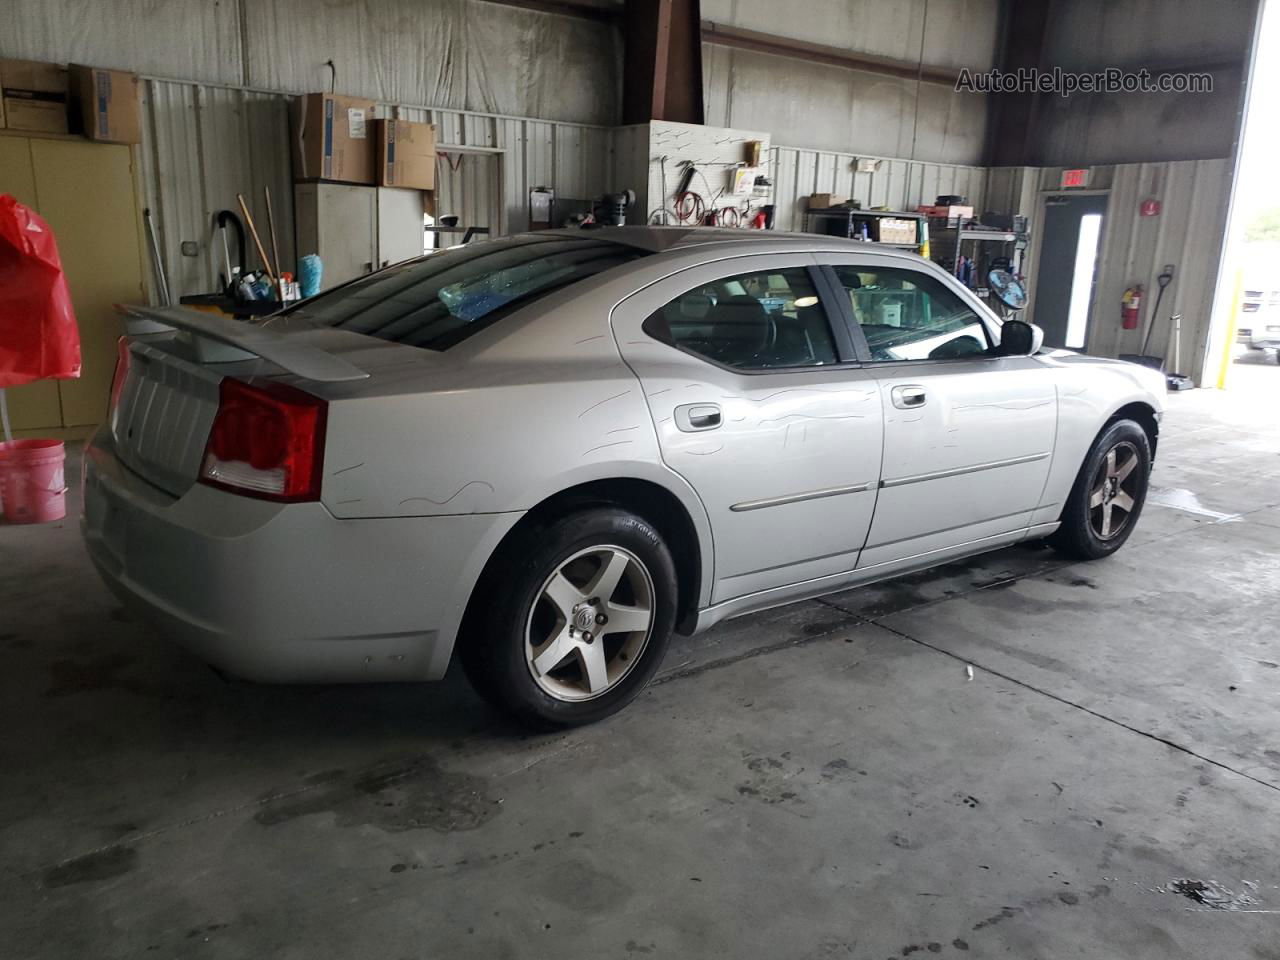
799	497
961	471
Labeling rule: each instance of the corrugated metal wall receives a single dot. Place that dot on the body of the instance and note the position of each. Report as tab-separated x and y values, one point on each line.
203	144
575	159
1189	233
897	184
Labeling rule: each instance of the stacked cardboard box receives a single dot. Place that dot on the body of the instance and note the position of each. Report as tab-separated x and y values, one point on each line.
105	104
406	154
947	213
333	138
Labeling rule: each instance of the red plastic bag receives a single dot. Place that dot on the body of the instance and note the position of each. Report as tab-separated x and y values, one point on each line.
38	333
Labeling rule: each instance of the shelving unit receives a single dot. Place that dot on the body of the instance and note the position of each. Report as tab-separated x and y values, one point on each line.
950	240
850	223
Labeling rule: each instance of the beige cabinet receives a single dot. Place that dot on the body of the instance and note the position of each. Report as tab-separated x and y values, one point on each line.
86	193
355	229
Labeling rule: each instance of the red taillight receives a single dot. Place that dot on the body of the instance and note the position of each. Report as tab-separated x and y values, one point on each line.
267	441
118	378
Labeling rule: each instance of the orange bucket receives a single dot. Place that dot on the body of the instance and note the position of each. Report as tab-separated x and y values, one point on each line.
33	480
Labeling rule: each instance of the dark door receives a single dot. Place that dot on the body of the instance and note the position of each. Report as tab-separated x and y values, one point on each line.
1068	265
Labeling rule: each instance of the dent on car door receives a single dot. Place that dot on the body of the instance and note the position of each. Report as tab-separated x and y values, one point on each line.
756	403
968	435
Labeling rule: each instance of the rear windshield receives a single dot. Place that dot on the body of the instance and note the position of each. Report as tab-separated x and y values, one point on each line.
441	299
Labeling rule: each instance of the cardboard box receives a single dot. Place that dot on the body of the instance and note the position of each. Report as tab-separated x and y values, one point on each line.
35	96
406	154
947	213
818	201
333	138
896	230
106	105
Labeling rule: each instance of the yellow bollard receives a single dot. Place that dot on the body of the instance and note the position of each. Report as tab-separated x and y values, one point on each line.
1232	325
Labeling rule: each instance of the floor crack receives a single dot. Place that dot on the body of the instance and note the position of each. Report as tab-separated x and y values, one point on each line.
1069	703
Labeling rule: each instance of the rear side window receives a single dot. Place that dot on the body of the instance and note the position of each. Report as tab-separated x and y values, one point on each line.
752	321
442	299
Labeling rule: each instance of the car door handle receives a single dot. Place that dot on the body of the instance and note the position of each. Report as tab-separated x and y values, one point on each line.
908	397
692	417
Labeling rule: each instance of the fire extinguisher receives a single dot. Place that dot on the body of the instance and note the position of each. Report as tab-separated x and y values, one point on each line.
1131	307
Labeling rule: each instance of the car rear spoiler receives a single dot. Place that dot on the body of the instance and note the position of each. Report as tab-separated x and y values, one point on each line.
213	334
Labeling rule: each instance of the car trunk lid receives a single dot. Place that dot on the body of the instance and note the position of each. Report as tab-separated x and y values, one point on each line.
177	358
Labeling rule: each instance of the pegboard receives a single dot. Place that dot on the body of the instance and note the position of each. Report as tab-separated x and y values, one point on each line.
716	153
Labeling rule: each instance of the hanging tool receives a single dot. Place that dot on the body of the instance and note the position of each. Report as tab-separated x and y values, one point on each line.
257	241
1162	281
275	250
162	281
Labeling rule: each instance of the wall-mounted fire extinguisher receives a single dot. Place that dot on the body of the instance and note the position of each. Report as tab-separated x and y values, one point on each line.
1131	307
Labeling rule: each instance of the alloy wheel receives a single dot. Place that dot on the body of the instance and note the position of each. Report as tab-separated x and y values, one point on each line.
1113	493
590	623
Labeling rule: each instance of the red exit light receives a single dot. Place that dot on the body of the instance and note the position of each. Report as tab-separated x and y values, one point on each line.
1075	178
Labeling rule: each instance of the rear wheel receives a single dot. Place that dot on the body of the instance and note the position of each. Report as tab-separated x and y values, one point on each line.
576	618
1108	495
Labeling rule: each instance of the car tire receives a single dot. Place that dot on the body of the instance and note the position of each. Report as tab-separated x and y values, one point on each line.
543	641
1108	494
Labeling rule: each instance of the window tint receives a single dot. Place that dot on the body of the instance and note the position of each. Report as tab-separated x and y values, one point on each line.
753	321
441	299
906	315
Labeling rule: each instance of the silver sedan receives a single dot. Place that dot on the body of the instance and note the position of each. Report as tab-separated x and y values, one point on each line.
544	454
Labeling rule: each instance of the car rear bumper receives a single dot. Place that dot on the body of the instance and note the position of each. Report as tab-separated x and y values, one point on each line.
285	592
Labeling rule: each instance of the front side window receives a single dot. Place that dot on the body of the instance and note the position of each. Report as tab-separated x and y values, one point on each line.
443	298
751	321
907	315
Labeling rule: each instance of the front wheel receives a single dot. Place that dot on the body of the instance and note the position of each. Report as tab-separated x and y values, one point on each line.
575	618
1109	492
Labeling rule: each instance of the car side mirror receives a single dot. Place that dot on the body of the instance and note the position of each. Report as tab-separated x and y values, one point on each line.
1020	339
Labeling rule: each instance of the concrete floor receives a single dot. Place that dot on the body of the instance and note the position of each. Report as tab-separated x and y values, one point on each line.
820	781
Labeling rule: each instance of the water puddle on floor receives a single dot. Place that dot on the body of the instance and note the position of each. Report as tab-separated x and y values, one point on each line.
1211	895
1179	498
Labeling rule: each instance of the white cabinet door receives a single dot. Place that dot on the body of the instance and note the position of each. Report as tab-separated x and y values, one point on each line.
399	225
339	222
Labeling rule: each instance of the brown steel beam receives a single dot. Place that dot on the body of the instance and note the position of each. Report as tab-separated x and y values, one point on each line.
605	11
662	73
758	42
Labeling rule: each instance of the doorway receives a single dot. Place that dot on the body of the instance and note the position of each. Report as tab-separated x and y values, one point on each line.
1072	237
468	197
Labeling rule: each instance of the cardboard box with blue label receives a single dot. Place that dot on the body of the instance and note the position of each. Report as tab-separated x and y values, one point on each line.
406	154
333	138
106	104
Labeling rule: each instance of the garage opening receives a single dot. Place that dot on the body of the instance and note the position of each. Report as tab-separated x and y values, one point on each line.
1246	322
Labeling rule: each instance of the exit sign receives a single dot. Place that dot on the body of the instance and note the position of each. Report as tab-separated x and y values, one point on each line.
1075	178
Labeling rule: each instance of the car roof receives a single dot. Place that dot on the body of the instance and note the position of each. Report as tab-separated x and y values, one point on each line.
677	239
